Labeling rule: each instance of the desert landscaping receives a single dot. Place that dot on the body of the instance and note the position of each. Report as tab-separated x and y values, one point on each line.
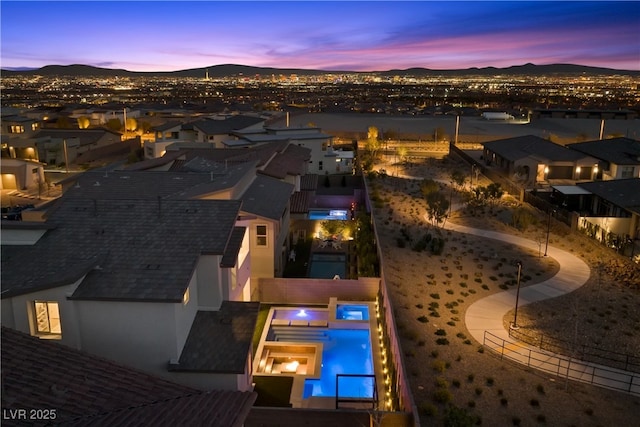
432	290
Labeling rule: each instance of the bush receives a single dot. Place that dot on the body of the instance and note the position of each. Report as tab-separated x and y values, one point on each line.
423	319
428	409
442	395
442	341
459	417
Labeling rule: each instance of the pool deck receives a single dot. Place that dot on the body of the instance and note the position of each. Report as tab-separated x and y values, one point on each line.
297	390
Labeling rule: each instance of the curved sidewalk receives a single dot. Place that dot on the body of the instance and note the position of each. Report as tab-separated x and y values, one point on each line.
486	315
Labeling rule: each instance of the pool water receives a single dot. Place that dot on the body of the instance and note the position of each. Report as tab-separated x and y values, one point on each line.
352	312
347	351
328	214
327	266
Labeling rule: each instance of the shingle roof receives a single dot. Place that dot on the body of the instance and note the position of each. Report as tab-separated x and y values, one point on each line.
230	256
621	192
267	197
531	145
142	250
223	127
85	136
219	341
620	151
88	390
168	125
197	178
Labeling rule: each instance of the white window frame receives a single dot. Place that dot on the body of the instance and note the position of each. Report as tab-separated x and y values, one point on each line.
47	322
259	236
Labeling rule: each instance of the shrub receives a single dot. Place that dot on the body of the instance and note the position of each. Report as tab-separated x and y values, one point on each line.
441	382
540	388
490	381
428	409
534	402
478	391
470	378
442	341
459	417
441	332
439	365
423	319
442	395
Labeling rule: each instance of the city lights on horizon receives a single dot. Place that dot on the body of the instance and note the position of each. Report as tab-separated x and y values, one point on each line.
330	36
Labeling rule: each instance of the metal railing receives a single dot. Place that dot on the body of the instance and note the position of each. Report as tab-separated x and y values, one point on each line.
583	352
564	367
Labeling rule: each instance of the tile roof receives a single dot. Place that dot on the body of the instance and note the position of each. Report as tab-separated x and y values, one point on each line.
129	249
292	161
620	151
621	192
267	197
531	145
309	182
300	202
89	390
220	341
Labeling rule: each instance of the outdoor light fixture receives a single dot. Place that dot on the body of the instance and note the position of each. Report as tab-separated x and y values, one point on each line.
514	325
546	246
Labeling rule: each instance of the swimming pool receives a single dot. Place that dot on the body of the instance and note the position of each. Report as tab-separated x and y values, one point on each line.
352	312
327	266
330	214
347	351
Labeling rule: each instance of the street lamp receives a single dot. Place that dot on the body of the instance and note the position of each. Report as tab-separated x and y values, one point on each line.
546	246
514	325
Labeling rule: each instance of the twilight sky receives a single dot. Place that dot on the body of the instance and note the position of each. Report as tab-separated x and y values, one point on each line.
328	35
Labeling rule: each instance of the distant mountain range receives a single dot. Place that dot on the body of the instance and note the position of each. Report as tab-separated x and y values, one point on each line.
229	70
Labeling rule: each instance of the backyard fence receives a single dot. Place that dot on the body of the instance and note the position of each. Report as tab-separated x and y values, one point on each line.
569	368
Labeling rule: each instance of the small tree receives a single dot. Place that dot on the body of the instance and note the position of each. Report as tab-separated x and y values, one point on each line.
437	207
83	122
428	186
402	152
494	192
457	177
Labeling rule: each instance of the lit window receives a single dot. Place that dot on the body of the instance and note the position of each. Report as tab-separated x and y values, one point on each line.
47	318
626	172
16	129
261	234
185	297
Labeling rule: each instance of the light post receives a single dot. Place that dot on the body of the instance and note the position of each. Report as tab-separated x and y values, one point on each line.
450	195
546	246
473	166
514	325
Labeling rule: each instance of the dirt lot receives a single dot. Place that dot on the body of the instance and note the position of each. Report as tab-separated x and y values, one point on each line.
431	293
